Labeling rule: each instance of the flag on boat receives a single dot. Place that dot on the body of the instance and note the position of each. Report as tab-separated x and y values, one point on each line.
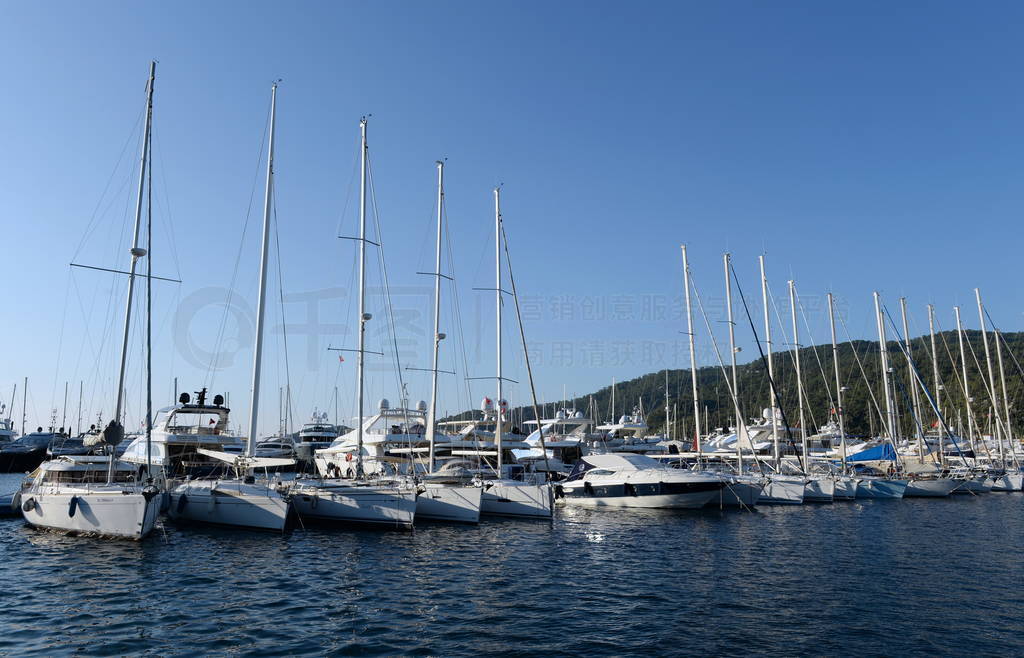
341	359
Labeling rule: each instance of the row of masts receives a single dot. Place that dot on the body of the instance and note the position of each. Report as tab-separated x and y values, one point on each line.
919	389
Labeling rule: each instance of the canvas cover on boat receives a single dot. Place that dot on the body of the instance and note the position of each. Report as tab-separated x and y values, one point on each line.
878	453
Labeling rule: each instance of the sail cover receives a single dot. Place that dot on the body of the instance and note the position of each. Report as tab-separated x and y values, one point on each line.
878	453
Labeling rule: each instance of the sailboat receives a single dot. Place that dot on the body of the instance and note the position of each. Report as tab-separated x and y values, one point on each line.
503	495
884	485
443	497
241	500
98	494
344	493
780	488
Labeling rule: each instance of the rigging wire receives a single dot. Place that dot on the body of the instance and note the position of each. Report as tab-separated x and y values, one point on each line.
212	368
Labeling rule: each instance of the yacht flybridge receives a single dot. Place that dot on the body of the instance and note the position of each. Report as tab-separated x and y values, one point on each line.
182	438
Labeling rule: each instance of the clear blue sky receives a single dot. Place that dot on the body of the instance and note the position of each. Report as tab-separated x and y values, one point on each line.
861	146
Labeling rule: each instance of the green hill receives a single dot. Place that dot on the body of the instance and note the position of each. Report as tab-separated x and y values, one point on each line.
754	390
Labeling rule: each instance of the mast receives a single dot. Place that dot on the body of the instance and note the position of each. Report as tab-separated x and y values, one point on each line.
24	406
668	410
914	397
10	409
799	378
78	427
1006	400
497	300
963	368
883	350
991	377
64	410
438	336
364	317
938	385
732	356
693	354
771	371
136	253
261	301
149	320
839	385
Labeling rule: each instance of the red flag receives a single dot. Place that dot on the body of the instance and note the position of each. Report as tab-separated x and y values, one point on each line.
341	359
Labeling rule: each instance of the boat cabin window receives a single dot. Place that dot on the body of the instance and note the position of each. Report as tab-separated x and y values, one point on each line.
90	476
194	422
600	472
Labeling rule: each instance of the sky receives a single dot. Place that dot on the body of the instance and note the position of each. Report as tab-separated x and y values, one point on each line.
857	146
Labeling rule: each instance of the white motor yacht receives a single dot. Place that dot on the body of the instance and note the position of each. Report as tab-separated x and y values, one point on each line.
628	480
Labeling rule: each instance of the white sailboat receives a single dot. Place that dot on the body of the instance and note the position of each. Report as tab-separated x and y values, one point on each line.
344	493
98	495
242	500
780	489
845	484
503	495
442	498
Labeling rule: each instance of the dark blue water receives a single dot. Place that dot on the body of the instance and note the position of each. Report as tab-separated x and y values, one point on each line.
870	578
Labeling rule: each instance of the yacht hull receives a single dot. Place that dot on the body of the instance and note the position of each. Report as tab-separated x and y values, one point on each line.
974	484
782	491
1008	482
457	504
819	490
936	488
343	501
694	500
511	498
105	514
230	503
738	493
845	488
21	461
881	488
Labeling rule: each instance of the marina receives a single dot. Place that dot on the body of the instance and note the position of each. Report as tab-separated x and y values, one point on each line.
581	329
617	581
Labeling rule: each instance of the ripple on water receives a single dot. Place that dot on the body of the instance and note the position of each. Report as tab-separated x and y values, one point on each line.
869	577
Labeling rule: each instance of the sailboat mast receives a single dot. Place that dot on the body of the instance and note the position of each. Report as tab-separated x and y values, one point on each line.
693	354
363	315
991	376
799	377
771	370
24	406
497	303
732	358
432	417
136	252
64	411
261	301
915	399
1006	401
938	384
883	350
963	368
839	385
